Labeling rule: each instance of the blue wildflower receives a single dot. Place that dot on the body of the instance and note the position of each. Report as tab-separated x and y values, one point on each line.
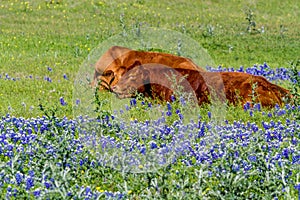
31	173
281	112
180	116
143	150
209	114
62	101
257	107
252	158
153	145
37	193
65	77
19	178
251	113
47	185
182	101
285	152
169	106
246	106
173	98
29	183
133	102
168	113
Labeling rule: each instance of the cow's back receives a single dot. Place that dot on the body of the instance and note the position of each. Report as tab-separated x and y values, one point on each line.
118	60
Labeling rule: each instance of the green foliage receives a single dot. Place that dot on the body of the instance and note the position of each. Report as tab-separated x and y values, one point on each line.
295	86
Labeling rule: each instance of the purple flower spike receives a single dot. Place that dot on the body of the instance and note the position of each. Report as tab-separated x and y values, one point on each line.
62	101
29	183
257	107
173	98
209	114
169	106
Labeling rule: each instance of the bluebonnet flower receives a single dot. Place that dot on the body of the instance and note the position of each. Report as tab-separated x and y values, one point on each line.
236	154
252	158
65	77
62	101
209	114
270	114
285	152
29	183
294	141
37	193
296	159
19	178
257	107
182	101
49	69
281	112
47	185
241	69
235	167
7	76
143	150
180	116
169	106
247	106
251	113
31	173
173	98
47	78
168	113
153	145
133	102
15	192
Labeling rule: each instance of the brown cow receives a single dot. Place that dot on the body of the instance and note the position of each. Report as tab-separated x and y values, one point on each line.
118	60
237	87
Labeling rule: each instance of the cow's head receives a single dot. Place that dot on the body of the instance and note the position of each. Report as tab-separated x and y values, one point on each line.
131	82
109	66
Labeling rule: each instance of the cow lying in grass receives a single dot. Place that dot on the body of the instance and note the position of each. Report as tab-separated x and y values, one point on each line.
118	60
235	87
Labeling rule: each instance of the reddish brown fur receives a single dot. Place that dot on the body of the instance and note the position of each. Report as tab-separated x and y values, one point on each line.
236	86
118	60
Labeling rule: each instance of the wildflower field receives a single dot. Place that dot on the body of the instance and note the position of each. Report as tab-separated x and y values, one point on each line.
140	149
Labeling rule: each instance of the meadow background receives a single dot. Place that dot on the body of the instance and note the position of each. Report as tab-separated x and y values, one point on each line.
43	43
37	35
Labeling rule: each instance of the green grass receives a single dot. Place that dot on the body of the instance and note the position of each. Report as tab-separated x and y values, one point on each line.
37	34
